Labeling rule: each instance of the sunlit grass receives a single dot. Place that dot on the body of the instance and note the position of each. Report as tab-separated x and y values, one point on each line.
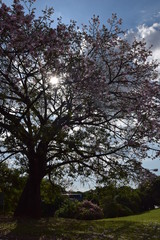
147	217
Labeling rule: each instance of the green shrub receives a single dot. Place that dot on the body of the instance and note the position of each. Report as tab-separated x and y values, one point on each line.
68	209
114	209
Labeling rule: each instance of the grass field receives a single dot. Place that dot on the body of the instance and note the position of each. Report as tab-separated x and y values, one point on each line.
144	226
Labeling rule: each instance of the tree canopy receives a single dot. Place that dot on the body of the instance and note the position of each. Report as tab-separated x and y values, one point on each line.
97	118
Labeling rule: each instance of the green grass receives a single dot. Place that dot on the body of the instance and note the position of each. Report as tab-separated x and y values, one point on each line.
144	226
147	217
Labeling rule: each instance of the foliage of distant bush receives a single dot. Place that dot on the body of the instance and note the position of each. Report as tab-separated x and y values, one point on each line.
85	210
68	209
113	209
116	201
51	197
11	185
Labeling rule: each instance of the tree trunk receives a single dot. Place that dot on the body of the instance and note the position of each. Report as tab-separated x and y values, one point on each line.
30	201
29	205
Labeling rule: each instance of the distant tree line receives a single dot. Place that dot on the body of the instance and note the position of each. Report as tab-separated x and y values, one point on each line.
114	201
125	200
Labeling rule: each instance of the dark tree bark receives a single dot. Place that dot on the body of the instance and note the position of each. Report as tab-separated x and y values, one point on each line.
30	202
29	205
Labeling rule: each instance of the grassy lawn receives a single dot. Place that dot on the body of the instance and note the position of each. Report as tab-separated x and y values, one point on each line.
144	226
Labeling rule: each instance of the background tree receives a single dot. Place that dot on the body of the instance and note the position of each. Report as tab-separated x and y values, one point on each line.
96	119
117	201
11	185
149	191
52	197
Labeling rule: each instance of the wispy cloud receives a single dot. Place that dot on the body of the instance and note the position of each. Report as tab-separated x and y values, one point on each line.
142	11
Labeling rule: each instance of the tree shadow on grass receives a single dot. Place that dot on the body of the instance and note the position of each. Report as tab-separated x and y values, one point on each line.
26	229
67	229
43	229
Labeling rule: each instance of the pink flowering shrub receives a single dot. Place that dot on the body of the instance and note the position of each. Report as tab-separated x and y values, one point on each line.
85	210
89	211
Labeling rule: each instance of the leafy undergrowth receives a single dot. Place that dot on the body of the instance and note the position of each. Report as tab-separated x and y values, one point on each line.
144	226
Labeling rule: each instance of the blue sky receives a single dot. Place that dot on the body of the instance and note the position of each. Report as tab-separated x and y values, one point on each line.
140	17
133	13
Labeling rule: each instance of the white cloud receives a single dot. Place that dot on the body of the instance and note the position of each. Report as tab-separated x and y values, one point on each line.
151	35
